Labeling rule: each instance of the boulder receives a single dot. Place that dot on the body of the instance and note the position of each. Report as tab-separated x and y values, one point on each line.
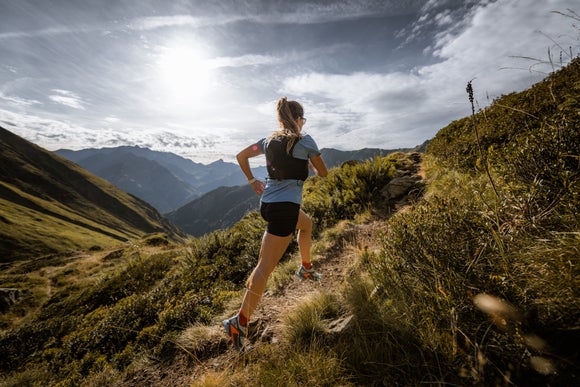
399	186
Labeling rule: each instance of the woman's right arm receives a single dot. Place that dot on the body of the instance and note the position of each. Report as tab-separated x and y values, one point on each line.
244	163
319	166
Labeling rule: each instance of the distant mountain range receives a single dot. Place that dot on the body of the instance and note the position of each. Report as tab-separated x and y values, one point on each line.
168	181
51	205
165	180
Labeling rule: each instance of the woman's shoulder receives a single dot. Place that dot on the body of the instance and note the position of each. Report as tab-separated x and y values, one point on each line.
307	141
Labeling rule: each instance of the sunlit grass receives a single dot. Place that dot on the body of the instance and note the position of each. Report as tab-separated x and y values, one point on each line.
45	234
315	366
282	274
307	323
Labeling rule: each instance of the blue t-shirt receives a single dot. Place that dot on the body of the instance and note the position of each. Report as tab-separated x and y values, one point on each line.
289	190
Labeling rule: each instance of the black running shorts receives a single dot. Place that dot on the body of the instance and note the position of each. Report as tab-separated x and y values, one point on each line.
282	217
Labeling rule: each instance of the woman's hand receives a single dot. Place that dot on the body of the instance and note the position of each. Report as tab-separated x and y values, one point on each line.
258	186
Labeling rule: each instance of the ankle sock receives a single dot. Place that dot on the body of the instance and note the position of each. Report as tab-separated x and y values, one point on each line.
243	320
307	265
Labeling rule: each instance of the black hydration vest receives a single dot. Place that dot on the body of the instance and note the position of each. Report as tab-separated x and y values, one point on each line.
280	164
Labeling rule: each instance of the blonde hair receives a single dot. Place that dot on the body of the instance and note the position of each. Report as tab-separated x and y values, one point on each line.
288	114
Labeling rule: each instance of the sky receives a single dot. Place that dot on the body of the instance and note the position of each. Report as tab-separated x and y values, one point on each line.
201	78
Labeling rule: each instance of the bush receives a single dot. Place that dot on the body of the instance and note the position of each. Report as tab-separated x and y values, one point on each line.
348	191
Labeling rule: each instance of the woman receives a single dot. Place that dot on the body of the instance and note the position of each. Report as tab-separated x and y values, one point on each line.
289	155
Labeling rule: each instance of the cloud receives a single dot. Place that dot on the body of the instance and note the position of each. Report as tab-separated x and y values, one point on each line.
36	33
156	22
242	61
55	134
279	12
17	101
370	110
343	73
409	107
439	17
67	98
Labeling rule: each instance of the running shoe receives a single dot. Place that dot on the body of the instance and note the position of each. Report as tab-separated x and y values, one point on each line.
304	273
235	331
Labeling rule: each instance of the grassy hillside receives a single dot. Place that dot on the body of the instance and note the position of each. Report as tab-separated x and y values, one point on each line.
49	205
485	269
475	282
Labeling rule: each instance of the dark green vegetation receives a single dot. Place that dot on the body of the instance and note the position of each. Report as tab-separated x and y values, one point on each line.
49	205
474	284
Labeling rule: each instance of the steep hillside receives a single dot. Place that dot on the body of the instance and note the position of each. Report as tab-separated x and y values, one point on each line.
218	209
102	308
436	271
546	112
50	205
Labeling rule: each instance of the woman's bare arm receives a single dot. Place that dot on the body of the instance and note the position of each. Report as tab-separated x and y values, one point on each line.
244	163
319	166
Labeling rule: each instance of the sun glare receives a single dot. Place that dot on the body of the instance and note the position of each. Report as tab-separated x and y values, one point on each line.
184	74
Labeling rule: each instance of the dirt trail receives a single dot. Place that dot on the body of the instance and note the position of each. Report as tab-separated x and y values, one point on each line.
335	264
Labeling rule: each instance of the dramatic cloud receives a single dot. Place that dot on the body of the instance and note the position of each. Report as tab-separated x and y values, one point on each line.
201	79
491	50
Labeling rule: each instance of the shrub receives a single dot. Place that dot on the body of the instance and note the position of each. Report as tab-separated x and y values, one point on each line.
554	101
348	191
380	344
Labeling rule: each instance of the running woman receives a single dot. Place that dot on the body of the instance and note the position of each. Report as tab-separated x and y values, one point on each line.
289	155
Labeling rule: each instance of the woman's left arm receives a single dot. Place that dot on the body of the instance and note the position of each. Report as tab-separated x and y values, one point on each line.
319	166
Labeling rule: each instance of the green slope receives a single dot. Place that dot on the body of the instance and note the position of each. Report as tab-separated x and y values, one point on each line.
50	205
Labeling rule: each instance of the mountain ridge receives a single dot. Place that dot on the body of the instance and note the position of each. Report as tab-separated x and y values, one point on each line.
49	204
165	180
223	212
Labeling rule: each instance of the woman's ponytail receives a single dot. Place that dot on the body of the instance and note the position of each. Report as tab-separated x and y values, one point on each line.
288	114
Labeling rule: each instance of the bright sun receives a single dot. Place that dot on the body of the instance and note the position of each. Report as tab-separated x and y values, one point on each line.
184	73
